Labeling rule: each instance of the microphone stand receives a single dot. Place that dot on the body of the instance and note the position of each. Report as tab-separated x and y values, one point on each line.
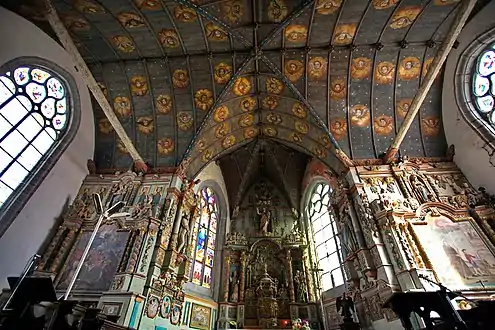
444	290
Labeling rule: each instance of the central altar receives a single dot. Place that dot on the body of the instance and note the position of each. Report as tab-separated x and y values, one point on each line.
266	268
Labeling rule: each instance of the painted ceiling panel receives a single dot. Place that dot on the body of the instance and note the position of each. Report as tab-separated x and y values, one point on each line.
214	78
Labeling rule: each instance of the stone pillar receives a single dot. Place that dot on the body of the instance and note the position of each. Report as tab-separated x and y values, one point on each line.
51	247
244	259
66	244
288	258
226	272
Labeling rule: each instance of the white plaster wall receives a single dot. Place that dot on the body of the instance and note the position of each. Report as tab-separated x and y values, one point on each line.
18	38
470	156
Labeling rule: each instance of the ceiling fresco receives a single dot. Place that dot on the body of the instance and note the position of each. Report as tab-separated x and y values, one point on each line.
206	78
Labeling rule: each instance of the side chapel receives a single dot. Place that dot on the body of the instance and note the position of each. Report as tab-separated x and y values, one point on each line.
268	173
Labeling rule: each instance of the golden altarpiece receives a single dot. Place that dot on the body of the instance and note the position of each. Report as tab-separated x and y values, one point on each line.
400	223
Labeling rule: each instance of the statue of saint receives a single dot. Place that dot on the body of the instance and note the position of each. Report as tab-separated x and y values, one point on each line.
300	281
183	233
347	305
264	219
420	189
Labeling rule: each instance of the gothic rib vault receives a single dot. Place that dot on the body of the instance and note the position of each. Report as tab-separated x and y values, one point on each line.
300	79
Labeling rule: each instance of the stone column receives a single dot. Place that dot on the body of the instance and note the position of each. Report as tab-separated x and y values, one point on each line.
226	272
244	259
288	258
66	244
51	247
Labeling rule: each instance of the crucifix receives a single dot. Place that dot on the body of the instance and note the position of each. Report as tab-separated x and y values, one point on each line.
110	213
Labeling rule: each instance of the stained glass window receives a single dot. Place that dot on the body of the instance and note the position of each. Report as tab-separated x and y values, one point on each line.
33	117
205	232
484	85
326	237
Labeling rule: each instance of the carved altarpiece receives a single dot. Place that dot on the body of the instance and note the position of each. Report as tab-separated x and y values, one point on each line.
413	219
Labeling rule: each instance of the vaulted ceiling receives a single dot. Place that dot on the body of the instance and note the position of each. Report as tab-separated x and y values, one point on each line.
214	77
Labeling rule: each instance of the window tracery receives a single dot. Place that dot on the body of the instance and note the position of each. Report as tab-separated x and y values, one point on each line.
34	116
484	85
326	237
204	238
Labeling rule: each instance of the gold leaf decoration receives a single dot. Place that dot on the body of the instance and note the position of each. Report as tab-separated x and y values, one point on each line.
273	118
360	68
215	33
251	132
228	142
165	146
317	67
301	126
105	126
384	73
207	155
139	85
338	88
130	20
121	147
123	44
180	78
293	70
200	145
430	126
148	4
384	4
270	131
145	124
203	99
223	72
405	17
383	125
169	38
274	85
122	106
296	33
184	120
247	104
319	152
242	86
246	120
409	68
269	103
327	7
185	14
277	11
325	140
403	106
88	7
296	137
360	115
344	34
163	103
233	10
221	113
299	110
222	130
338	128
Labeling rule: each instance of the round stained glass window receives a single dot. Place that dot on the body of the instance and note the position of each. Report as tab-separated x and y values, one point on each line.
484	85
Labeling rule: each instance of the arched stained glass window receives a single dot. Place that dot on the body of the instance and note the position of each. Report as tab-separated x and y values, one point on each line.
33	117
484	85
204	238
326	237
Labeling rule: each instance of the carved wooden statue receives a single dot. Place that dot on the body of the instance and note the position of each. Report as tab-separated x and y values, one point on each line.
183	233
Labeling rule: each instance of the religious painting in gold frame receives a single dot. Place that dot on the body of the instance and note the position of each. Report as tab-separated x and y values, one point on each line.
457	251
200	317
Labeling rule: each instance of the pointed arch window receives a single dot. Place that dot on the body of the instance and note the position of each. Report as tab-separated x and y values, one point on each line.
204	238
326	237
